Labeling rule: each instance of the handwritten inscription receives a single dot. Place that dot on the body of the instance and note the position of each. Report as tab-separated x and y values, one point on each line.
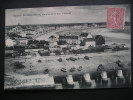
25	82
43	14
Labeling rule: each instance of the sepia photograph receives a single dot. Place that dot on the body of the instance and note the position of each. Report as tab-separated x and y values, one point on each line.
68	47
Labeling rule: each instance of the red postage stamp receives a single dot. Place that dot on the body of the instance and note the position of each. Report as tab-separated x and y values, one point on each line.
115	18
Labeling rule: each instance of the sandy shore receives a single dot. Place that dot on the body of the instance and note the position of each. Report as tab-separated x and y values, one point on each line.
55	66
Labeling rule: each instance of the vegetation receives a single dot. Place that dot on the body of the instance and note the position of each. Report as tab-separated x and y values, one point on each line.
72	59
13	35
39	61
89	50
8	48
80	68
34	44
63	69
46	71
44	53
57	52
100	68
99	39
19	65
19	49
61	42
60	59
119	63
86	57
72	69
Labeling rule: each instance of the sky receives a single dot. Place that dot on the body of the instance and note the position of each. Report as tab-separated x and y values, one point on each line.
61	15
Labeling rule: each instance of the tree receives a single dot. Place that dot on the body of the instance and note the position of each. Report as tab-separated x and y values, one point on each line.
61	42
99	40
60	59
82	43
30	42
9	48
100	68
12	35
42	42
18	65
57	52
86	57
19	49
36	41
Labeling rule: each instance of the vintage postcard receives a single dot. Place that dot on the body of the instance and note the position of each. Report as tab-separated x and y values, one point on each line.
68	47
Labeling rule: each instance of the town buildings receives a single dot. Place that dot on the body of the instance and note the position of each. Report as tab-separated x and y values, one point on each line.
53	39
89	42
70	39
21	41
56	42
10	43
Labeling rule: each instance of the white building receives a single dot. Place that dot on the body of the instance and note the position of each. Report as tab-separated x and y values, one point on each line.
16	29
70	39
10	42
87	39
89	42
82	36
53	39
89	35
21	41
22	34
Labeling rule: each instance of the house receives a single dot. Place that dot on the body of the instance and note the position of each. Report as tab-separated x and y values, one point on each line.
29	35
75	47
9	53
82	36
16	29
89	42
86	39
21	41
53	39
89	35
54	48
69	39
22	34
30	31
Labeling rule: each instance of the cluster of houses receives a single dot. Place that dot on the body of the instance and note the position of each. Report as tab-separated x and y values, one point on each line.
26	32
56	42
72	41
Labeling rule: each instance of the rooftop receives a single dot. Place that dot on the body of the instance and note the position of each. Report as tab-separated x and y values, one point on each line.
22	38
88	39
83	34
67	37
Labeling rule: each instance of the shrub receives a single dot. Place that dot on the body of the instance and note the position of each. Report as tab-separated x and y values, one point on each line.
100	68
80	68
63	69
57	52
72	59
46	71
60	59
39	61
86	57
72	69
18	65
